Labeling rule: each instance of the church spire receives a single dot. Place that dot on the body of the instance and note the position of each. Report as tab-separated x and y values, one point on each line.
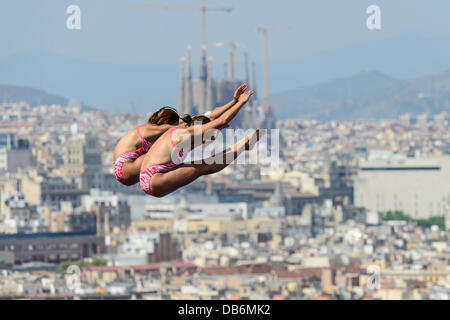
253	84
188	96
246	79
203	65
203	81
181	86
210	87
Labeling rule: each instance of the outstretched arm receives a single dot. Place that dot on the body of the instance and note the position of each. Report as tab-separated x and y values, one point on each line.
226	117
216	113
184	136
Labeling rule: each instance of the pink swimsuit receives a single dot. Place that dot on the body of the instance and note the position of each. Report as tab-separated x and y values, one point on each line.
147	174
132	155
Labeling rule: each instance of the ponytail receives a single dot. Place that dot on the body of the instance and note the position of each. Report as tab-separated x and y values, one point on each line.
189	120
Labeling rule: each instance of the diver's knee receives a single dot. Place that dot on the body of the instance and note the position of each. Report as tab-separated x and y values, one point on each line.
157	193
212	168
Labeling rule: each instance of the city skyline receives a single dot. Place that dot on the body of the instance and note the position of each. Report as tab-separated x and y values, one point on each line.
315	228
341	193
124	74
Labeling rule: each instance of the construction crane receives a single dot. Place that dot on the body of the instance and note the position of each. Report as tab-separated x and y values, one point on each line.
203	9
233	45
264	30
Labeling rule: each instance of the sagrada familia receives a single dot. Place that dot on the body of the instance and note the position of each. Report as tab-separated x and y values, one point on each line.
197	96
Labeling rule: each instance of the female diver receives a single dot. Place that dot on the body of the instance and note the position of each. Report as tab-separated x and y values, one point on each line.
129	151
163	170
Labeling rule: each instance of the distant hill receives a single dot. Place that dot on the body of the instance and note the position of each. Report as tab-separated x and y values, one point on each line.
365	95
102	85
34	97
113	86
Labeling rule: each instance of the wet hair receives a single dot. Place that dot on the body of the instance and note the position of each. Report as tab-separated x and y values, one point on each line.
190	119
165	115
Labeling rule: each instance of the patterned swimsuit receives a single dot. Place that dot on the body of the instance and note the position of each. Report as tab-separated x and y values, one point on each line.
147	174
132	155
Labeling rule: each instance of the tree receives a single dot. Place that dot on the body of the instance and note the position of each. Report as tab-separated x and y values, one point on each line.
63	266
399	215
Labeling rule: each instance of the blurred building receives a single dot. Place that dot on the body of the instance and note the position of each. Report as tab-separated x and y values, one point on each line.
148	247
340	183
102	211
14	206
83	161
18	216
407	119
15	153
51	190
165	249
447	214
82	221
51	247
197	96
418	187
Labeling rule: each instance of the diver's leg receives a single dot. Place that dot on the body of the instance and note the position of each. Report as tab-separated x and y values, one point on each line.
164	183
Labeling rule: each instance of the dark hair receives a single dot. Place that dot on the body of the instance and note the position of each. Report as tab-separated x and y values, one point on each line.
190	119
165	115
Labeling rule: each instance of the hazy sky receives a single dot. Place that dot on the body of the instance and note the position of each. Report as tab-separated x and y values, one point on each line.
113	31
123	53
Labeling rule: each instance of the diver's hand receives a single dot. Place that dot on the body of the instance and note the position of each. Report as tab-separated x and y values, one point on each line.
239	91
245	96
